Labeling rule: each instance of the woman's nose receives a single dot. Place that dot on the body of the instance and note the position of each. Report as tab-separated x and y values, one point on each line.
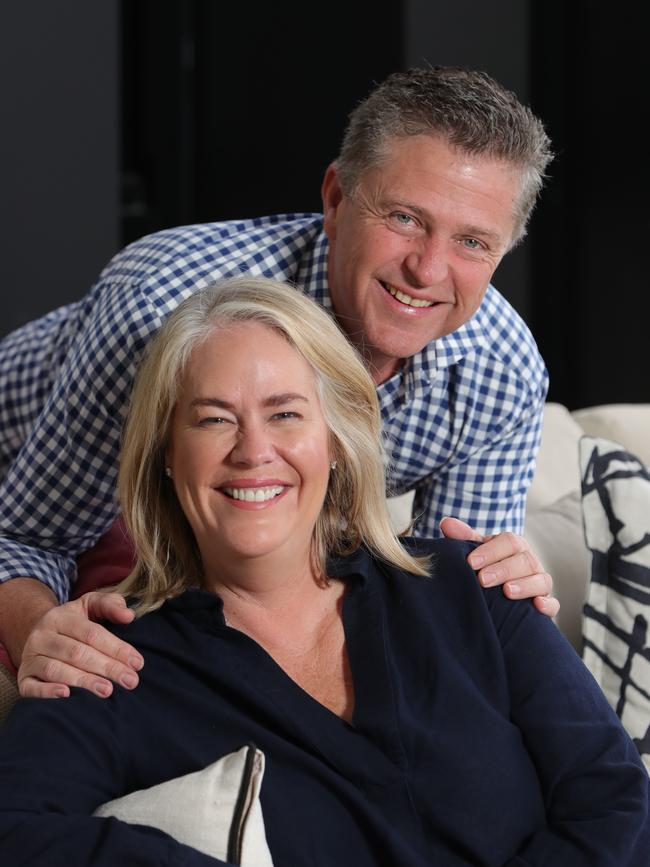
253	447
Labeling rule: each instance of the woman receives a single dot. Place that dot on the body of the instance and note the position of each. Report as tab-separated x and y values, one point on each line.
401	709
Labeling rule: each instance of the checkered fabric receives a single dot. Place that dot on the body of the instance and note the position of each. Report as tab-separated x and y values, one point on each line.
462	419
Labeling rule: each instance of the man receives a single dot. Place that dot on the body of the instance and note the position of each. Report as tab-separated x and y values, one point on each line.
437	176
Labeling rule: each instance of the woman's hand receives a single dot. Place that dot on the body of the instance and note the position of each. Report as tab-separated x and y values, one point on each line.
67	647
506	559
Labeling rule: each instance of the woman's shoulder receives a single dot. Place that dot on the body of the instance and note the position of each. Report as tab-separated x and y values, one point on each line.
175	614
452	582
453	550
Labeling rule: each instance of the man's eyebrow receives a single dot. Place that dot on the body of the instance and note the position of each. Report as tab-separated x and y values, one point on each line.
480	232
271	400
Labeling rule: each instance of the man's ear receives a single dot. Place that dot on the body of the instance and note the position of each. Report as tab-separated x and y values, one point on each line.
332	196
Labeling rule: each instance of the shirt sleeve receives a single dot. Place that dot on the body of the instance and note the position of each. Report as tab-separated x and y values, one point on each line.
488	488
58	496
53	774
595	787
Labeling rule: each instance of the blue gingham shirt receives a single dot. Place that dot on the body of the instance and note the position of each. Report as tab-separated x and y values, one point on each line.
462	418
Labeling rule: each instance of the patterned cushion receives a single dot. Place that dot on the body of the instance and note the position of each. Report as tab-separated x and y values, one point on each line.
616	620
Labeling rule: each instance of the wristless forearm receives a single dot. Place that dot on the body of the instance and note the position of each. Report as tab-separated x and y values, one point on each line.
23	601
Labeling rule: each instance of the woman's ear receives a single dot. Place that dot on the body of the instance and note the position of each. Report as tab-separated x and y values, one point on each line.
331	195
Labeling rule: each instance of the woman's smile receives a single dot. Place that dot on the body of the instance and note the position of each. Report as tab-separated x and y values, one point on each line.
254	494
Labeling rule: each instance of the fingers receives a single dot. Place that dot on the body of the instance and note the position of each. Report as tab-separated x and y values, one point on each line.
539	584
35	679
522	575
499	548
66	660
72	623
29	687
106	606
522	565
548	605
453	528
508	560
67	649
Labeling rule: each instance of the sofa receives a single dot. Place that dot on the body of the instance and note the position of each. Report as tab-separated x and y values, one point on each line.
554	515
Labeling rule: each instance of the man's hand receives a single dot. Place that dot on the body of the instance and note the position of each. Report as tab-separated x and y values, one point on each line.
66	647
506	559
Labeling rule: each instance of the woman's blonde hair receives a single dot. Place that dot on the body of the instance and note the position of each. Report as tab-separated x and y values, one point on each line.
355	510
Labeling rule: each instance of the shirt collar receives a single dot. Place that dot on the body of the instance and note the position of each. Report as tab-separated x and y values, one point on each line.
453	347
198	603
312	273
358	564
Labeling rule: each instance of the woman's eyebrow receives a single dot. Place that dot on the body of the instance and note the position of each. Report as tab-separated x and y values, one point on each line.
285	397
211	401
271	400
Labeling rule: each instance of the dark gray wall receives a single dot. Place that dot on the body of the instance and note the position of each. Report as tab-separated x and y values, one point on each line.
60	154
59	80
494	37
247	128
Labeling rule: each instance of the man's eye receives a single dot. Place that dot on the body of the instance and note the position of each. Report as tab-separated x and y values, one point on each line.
405	220
472	244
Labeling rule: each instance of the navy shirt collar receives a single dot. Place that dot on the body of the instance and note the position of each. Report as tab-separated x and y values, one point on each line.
358	564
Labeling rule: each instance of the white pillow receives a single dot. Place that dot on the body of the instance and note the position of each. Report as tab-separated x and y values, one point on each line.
216	810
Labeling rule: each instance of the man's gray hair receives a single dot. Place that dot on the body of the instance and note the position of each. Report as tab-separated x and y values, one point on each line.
468	109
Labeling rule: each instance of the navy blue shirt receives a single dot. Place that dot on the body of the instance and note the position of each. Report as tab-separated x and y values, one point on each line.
478	738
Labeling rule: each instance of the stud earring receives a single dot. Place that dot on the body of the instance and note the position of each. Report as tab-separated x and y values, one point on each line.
168	472
333	465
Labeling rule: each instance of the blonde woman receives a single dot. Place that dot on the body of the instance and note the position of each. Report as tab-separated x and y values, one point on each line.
406	716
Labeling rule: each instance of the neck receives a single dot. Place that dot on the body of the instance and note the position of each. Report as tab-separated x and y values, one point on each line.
380	367
264	586
289	615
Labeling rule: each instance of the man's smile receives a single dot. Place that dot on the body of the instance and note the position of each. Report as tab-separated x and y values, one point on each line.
409	300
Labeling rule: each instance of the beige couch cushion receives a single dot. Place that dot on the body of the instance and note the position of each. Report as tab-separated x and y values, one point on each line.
624	423
556	473
555	534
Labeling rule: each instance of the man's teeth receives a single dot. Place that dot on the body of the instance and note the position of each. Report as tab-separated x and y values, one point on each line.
254	495
407	299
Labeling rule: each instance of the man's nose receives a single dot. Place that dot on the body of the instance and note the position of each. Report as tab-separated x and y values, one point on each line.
428	263
253	446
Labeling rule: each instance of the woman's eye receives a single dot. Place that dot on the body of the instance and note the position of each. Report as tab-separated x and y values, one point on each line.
210	420
285	414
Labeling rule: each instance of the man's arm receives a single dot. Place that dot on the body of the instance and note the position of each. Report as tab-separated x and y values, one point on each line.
57	646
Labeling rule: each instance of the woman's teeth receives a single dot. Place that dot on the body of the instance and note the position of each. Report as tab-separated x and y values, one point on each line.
407	299
254	495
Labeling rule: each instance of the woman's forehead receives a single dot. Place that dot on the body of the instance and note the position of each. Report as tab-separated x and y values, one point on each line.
247	355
